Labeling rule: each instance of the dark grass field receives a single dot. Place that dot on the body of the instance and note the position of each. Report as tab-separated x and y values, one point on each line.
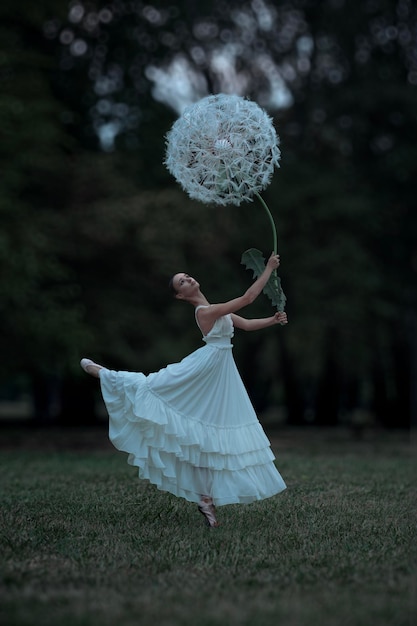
84	542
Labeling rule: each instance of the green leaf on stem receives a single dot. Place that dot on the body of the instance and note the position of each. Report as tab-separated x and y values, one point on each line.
253	260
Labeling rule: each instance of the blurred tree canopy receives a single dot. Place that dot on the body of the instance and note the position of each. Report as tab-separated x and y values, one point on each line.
92	225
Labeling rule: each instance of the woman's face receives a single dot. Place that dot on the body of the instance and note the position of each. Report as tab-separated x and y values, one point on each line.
185	285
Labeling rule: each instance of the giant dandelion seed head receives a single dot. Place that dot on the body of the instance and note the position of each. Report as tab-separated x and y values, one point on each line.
223	149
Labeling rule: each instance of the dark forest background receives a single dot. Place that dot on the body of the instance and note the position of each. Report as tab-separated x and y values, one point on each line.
92	225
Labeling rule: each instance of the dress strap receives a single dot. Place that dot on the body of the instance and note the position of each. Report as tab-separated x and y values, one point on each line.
200	306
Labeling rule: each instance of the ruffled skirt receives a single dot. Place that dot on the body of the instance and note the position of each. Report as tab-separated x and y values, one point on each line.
191	429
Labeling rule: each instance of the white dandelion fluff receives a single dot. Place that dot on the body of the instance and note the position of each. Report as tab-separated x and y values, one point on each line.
223	150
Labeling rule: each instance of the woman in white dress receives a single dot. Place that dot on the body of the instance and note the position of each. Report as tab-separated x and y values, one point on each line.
190	428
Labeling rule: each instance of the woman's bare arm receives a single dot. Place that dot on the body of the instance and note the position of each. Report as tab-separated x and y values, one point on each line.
209	314
258	324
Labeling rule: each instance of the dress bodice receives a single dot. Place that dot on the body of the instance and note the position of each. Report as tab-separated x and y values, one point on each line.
221	332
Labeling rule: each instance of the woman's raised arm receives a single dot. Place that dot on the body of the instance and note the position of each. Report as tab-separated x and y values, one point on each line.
209	314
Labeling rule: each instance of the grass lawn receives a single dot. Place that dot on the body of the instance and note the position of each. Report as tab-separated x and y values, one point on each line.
85	543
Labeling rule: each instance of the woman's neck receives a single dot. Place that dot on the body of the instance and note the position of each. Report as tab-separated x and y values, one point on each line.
199	300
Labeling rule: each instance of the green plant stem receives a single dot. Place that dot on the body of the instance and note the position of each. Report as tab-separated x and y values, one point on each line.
274	275
274	230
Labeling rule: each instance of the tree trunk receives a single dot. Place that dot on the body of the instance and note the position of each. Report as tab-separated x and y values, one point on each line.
294	396
329	387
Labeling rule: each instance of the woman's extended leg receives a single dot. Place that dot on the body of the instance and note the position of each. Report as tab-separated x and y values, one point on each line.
90	367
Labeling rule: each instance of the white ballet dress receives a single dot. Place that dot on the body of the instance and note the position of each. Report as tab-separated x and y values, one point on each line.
190	428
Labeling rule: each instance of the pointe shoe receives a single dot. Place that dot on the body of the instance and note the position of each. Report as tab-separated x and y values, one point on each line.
207	508
90	367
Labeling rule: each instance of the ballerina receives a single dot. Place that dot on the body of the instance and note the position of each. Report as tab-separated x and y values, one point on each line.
190	428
